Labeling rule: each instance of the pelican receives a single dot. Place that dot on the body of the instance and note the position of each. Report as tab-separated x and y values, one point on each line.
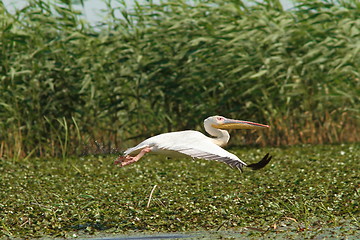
196	145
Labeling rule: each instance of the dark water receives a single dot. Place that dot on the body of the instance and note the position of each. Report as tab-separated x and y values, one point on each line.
348	233
146	237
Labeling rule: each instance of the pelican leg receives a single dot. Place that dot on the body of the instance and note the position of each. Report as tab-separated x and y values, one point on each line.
121	159
126	160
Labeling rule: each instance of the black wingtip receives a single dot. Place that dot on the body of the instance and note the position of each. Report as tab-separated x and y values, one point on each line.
264	161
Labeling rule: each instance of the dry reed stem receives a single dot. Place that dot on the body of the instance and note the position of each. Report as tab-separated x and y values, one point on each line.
150	197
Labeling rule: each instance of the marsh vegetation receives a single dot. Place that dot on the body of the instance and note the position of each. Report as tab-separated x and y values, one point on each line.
306	191
73	95
167	66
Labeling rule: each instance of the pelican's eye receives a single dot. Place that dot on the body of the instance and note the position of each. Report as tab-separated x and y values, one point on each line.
220	119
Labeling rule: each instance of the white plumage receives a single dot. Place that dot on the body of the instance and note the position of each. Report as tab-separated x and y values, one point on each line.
195	144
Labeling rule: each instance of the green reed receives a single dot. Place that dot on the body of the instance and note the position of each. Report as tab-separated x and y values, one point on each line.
167	66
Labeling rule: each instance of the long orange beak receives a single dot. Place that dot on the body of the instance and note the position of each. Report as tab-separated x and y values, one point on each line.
239	124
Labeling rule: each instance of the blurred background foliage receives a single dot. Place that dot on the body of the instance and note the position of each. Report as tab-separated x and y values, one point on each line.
67	87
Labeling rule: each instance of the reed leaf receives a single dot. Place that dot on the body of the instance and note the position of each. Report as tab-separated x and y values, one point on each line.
166	66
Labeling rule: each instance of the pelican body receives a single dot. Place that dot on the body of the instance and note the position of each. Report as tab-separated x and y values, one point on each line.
194	144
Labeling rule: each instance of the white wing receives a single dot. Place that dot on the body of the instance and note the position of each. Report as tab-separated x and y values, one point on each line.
190	143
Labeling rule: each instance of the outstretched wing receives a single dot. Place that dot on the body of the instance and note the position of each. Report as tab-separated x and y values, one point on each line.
193	144
214	153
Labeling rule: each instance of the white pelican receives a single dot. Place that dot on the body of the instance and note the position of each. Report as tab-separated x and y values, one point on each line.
196	145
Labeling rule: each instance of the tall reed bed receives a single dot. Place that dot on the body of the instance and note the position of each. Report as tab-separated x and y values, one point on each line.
160	67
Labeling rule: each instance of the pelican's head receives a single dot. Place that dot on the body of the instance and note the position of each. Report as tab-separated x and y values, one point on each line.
226	123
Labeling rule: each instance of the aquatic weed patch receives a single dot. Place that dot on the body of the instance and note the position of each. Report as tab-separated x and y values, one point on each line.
306	190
